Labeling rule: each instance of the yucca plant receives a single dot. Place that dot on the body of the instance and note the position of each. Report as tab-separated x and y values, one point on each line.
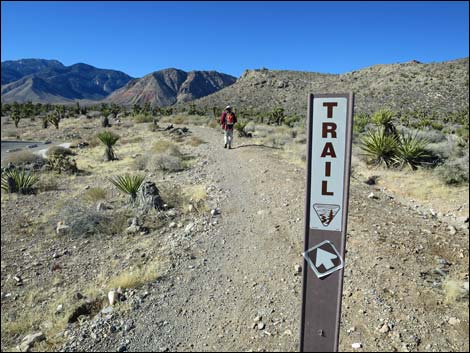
384	118
109	140
18	181
128	184
379	147
411	151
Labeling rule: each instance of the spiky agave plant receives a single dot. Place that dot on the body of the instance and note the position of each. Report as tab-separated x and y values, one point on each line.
128	184
18	181
109	140
379	148
411	151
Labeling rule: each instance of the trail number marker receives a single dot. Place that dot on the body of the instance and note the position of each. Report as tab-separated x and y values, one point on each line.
328	169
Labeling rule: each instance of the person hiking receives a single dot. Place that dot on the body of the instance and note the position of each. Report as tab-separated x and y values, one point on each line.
228	121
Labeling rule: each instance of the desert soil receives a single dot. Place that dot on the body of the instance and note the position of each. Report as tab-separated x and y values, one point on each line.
226	270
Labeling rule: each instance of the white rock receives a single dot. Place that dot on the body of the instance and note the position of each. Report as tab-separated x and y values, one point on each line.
454	321
356	345
190	208
452	230
261	326
298	268
30	340
112	296
172	225
101	206
372	196
384	328
133	228
62	228
257	319
189	228
59	309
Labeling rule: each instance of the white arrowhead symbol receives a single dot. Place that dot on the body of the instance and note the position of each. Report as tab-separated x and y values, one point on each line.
324	258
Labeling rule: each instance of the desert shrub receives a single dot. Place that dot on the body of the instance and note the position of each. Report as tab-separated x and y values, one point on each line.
167	147
173	195
213	123
379	148
47	182
197	196
292	120
140	162
180	119
454	172
9	133
55	151
60	163
109	140
128	184
23	157
142	118
85	221
169	163
411	151
196	141
95	194
18	181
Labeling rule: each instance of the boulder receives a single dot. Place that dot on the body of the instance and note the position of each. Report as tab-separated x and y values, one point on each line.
150	197
29	341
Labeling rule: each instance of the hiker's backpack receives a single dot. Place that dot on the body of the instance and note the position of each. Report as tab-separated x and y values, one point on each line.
230	119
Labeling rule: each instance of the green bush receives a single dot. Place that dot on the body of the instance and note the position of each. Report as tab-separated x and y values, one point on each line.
379	148
143	118
18	181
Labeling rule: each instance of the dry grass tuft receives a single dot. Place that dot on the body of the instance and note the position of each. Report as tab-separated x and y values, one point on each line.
135	277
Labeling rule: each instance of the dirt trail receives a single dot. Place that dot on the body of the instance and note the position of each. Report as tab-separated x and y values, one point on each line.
244	266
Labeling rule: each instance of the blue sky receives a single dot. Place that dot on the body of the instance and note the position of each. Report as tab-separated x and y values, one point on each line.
141	37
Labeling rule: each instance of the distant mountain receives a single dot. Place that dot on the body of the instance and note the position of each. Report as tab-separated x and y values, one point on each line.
438	87
13	70
48	81
169	86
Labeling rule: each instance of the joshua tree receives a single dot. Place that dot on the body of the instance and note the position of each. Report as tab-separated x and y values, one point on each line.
109	140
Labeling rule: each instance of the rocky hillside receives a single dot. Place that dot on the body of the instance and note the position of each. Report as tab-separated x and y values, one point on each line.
440	87
48	81
166	87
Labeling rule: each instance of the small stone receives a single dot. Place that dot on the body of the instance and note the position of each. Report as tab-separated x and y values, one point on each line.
261	326
356	345
101	206
350	330
59	309
112	296
62	228
298	269
122	348
372	196
257	319
452	230
87	187
384	328
189	228
172	225
190	208
454	321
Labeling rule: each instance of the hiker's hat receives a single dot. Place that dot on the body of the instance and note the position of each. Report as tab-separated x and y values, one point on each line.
228	107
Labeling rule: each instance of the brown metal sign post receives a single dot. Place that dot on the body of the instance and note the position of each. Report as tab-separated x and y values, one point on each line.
328	169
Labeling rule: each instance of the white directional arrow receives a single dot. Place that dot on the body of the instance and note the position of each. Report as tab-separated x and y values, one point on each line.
324	258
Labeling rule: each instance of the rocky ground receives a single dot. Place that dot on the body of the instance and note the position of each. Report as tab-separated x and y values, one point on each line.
228	277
